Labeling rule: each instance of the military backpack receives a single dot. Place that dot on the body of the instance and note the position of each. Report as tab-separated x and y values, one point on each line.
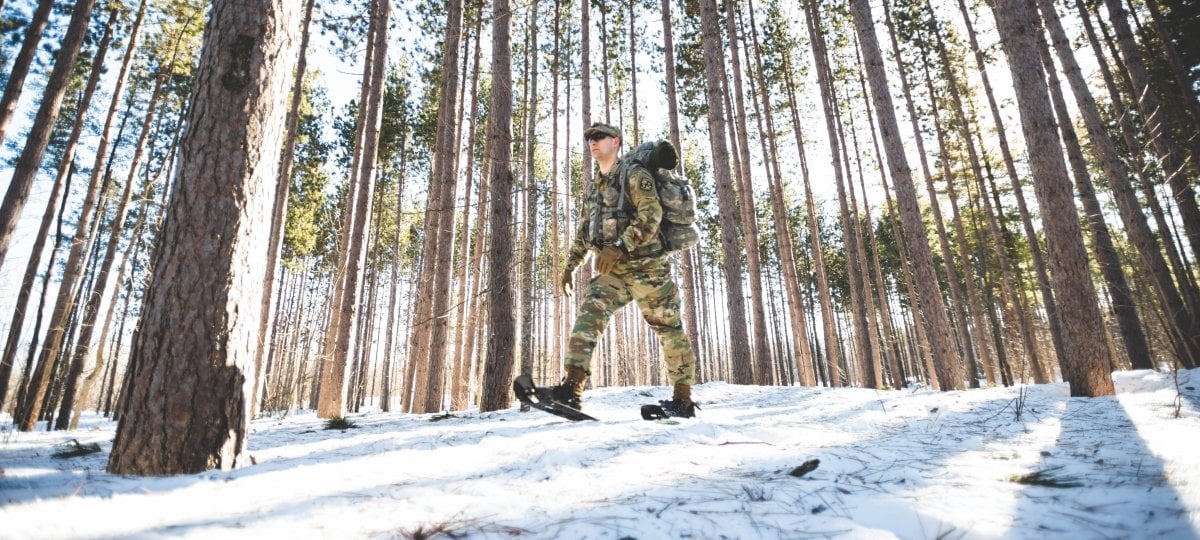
677	230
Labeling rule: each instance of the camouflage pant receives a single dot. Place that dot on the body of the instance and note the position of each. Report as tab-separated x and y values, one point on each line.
649	282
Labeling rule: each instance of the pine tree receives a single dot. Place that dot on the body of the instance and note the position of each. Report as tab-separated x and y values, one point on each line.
188	407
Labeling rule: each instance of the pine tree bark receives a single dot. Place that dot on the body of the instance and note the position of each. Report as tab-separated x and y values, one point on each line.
279	216
934	310
1088	360
1035	248
1133	338
445	178
188	408
27	164
500	358
744	188
21	64
1180	321
832	345
353	250
714	71
1172	158
802	352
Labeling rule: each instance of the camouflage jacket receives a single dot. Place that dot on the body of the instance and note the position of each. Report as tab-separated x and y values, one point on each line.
602	221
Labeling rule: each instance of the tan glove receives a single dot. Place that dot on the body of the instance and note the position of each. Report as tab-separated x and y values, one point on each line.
608	258
567	281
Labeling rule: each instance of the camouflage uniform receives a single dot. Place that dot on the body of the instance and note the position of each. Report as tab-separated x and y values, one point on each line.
643	275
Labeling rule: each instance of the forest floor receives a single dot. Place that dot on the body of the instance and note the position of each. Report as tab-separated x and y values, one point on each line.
907	464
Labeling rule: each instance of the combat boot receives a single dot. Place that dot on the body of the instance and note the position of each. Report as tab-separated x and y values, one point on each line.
680	404
570	391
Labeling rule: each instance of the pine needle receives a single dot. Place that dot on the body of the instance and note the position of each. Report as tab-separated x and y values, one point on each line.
1046	478
340	422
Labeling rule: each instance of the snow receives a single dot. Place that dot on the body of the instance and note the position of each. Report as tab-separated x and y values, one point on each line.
893	464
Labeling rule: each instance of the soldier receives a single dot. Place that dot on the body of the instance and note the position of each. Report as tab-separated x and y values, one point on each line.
620	223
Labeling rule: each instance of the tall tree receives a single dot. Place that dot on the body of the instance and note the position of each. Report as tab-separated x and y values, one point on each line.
744	186
529	244
193	357
1088	364
686	267
445	179
501	331
1149	104
360	197
43	123
714	74
1129	324
1179	319
279	216
936	320
21	64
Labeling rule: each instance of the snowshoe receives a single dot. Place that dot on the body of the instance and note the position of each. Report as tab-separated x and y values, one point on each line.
544	399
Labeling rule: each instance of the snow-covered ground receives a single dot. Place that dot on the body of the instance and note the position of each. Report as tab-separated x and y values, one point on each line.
891	463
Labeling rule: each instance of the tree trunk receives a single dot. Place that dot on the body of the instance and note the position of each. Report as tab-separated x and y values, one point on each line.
1130	326
802	357
529	282
445	177
459	384
1035	248
343	327
832	346
1180	321
744	188
557	333
585	93
636	137
499	368
193	360
1172	158
1088	360
21	64
27	164
279	216
714	71
934	310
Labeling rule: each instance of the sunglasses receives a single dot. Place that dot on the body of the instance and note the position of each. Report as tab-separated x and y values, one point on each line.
597	136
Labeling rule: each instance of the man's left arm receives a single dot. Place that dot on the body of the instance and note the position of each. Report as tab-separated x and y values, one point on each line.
643	228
